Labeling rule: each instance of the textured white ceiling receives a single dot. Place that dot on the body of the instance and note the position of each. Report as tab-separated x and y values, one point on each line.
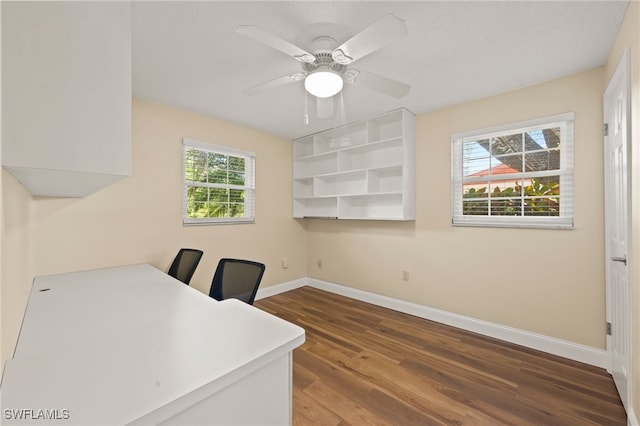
187	54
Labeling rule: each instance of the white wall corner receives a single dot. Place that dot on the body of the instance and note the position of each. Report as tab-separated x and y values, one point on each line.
566	349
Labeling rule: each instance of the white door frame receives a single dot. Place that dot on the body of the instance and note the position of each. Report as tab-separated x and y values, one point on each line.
620	83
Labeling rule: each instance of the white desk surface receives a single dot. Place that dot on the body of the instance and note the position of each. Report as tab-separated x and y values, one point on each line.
115	344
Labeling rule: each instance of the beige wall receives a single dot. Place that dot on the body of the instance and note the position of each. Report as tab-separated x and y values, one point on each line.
629	38
544	281
139	218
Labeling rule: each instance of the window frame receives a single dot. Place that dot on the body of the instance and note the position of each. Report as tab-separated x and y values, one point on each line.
249	187
563	221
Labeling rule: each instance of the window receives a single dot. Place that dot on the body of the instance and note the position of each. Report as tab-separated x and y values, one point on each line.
219	184
515	175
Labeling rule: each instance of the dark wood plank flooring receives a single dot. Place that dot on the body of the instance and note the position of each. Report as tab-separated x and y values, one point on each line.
366	365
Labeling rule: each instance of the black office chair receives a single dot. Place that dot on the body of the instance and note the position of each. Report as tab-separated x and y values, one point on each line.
238	279
185	264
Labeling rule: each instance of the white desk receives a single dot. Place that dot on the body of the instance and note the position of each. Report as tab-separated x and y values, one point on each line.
131	345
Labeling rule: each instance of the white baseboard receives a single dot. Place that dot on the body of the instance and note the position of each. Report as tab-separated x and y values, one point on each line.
280	288
574	351
563	348
632	420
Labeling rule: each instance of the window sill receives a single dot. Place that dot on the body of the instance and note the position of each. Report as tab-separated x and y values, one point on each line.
218	222
564	224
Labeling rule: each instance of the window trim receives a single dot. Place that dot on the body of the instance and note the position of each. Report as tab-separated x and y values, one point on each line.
249	187
563	221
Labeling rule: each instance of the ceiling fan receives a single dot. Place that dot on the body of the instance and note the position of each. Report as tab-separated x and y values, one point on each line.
326	69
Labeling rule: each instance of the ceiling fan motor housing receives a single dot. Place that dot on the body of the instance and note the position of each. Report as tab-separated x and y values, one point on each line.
324	60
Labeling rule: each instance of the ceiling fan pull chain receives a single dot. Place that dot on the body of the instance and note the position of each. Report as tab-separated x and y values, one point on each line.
337	115
306	107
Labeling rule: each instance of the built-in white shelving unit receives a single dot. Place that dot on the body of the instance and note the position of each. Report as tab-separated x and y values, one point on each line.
362	170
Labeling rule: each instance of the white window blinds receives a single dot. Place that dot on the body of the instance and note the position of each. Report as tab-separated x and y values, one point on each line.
518	175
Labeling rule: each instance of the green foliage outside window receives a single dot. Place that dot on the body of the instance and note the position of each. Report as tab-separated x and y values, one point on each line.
215	184
540	198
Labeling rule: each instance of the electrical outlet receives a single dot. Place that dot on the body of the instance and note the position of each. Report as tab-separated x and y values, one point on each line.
319	264
285	263
405	275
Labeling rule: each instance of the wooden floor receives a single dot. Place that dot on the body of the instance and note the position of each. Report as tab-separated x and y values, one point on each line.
366	365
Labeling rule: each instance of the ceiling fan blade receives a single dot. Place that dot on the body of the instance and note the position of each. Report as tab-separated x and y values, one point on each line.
274	83
375	36
324	106
272	40
378	83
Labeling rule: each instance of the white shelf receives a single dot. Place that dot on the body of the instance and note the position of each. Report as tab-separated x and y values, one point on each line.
315	165
340	183
340	138
382	180
381	154
362	170
322	207
384	206
385	127
305	154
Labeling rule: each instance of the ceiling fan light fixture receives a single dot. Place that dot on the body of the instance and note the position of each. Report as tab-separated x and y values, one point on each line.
323	83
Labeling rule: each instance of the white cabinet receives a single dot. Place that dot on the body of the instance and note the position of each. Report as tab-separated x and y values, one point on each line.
362	170
66	95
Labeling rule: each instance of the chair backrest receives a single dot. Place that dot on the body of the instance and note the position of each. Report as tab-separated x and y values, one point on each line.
185	264
238	279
